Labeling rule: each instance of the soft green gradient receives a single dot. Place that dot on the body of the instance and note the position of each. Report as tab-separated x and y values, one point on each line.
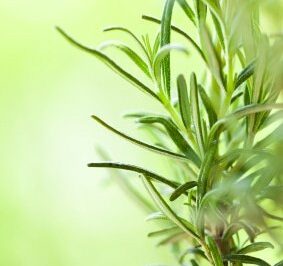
54	210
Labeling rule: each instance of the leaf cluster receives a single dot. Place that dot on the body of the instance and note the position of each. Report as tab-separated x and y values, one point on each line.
225	128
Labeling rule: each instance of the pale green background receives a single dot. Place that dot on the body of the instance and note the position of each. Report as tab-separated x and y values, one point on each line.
54	211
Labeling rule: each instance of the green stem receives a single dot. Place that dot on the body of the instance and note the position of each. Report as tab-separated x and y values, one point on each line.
206	251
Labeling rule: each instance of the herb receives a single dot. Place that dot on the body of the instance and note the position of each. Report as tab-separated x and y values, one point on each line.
226	128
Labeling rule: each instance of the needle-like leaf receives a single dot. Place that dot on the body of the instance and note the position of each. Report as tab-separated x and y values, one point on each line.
156	216
194	263
246	259
212	116
245	74
165	40
164	231
214	7
219	30
156	45
176	136
276	135
195	111
179	31
105	59
162	55
241	113
161	203
188	10
201	10
140	143
136	169
254	247
236	97
129	52
182	189
212	56
235	227
184	101
130	33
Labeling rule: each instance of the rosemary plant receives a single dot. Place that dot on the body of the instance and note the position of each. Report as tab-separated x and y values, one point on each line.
226	127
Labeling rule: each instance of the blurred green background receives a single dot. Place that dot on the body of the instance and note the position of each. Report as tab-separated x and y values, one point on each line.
54	210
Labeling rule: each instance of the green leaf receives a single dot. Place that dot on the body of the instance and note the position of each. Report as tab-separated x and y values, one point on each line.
258	86
124	183
254	247
247	96
136	169
204	128
215	252
245	74
163	231
184	101
201	11
122	29
179	31
147	45
236	97
194	263
182	189
205	171
245	259
188	10
212	116
129	52
140	143
248	154
110	63
255	108
175	135
162	55
238	114
156	45
212	57
187	227
237	226
280	263
276	135
215	9
156	216
193	251
262	118
272	119
195	111
165	40
259	74
219	30
212	196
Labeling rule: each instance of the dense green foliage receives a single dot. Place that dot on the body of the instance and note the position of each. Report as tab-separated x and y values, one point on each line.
226	128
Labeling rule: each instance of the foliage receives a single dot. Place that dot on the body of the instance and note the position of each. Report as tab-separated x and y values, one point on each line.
226	127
